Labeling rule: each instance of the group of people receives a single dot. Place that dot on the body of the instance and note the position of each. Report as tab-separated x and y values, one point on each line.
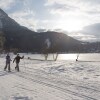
16	59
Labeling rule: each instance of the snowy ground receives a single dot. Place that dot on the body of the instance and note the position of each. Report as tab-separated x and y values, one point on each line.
50	80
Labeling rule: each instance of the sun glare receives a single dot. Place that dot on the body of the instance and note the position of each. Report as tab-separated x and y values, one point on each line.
67	56
70	24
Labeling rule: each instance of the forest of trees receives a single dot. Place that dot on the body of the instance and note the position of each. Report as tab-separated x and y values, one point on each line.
2	41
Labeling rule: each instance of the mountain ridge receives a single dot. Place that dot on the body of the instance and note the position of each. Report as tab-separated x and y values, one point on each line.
25	40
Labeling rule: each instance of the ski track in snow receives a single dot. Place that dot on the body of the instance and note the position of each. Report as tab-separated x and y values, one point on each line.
50	80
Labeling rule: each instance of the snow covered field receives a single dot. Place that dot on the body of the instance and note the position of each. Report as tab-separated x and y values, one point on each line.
52	80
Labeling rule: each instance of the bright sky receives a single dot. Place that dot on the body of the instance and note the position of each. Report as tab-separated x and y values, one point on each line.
77	18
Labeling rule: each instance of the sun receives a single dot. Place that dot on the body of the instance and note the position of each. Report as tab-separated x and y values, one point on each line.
70	24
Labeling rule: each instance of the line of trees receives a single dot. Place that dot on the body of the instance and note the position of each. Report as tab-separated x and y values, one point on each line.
2	41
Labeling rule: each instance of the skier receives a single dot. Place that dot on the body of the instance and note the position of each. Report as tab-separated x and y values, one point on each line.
7	63
17	59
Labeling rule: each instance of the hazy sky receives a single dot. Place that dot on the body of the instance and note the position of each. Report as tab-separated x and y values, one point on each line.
77	18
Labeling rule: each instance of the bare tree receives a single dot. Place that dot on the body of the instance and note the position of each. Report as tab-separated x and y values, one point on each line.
55	56
46	48
77	57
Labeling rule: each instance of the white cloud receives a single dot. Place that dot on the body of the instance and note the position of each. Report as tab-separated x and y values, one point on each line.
85	6
6	4
10	4
66	14
83	37
25	18
30	23
88	33
21	12
85	11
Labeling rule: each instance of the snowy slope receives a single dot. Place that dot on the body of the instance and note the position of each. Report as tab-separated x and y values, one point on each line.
50	80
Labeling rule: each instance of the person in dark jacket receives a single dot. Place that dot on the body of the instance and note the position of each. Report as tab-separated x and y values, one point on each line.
7	63
17	59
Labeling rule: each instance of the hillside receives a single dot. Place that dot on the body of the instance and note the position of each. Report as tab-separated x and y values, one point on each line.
24	40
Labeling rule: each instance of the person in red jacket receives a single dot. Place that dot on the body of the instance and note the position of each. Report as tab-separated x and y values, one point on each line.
17	59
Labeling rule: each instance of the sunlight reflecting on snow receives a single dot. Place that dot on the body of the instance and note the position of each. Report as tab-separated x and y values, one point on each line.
67	56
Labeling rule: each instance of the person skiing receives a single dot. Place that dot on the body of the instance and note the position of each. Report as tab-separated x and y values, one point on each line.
7	63
17	59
